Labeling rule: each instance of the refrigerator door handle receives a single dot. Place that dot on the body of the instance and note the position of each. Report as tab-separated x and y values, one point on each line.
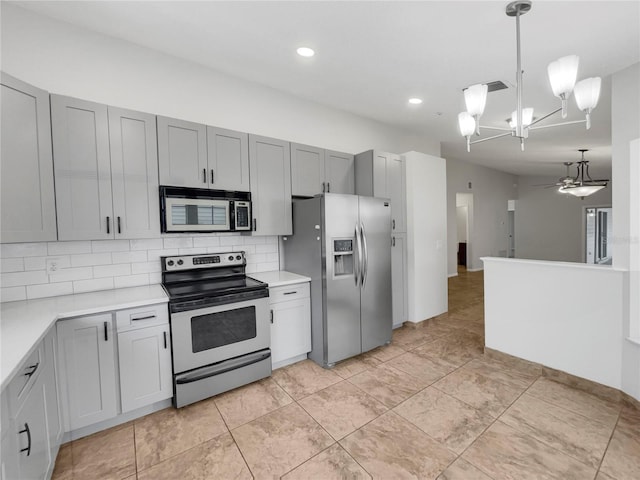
357	266
365	256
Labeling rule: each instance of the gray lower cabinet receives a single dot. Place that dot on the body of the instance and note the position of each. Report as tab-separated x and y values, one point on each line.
105	171
399	294
88	370
194	155
382	174
315	170
27	191
270	170
31	431
290	323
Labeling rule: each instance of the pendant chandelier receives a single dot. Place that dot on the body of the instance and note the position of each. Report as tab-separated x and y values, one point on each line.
582	186
562	76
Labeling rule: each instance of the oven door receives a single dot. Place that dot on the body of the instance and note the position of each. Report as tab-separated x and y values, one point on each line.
209	335
197	215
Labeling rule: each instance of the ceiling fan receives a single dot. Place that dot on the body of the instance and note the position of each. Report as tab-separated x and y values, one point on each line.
582	185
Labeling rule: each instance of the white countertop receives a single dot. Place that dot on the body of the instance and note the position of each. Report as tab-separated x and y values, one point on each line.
24	324
278	278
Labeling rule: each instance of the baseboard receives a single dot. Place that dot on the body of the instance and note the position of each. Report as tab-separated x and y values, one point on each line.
451	275
475	269
289	361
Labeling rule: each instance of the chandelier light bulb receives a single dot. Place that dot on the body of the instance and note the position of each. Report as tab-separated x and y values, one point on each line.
562	76
475	98
467	126
527	118
587	93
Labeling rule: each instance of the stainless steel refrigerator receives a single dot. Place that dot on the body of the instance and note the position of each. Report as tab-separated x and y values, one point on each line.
343	242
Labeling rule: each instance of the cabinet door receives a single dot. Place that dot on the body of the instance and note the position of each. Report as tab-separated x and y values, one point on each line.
270	167
87	364
34	454
338	172
399	294
145	366
291	329
307	170
380	166
396	192
228	159
182	153
27	197
50	379
134	173
82	169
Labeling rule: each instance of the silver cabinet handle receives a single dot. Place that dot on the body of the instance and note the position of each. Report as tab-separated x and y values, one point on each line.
32	370
108	225
358	263
365	264
322	187
393	224
328	187
143	318
290	293
204	175
106	331
28	432
393	241
119	226
271	316
255	225
212	176
164	334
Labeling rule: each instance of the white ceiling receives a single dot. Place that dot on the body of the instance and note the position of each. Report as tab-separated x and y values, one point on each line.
372	56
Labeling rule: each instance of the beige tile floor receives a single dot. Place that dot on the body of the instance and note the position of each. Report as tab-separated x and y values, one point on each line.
428	406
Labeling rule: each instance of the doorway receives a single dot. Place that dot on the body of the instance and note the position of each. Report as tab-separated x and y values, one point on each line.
464	229
598	230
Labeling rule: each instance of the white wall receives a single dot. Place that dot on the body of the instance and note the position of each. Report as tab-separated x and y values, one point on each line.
68	60
426	236
548	224
488	229
562	315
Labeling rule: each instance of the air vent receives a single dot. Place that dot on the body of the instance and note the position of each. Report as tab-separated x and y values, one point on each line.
494	86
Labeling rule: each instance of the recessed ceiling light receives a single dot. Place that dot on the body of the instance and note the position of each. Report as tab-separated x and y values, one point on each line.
415	101
305	52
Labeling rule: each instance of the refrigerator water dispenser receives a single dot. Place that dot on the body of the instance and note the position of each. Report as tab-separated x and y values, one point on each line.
343	257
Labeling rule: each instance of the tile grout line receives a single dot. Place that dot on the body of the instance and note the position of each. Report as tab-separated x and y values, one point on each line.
604	454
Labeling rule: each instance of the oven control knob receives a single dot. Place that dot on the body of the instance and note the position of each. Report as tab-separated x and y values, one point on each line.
230	257
170	263
238	257
180	262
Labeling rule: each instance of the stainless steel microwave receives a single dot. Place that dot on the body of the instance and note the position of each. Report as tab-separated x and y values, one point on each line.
202	210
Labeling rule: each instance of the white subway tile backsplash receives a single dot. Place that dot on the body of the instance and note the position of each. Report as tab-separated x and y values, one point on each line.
178	242
131	280
98	246
8	265
147	267
146	244
87	266
35	263
70	274
130	257
206	241
12	294
49	290
68	248
90	259
12	250
112	270
81	286
17	279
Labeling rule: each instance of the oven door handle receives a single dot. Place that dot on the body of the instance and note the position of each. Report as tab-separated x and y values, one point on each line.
223	367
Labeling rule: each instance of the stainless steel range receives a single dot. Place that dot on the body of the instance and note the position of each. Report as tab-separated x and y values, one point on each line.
220	325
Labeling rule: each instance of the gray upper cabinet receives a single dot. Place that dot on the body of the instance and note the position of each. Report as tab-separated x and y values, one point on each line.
106	171
82	169
182	153
382	174
228	159
134	173
270	167
314	171
27	192
307	170
338	172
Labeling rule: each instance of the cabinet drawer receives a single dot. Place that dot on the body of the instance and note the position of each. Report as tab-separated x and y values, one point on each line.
141	317
288	292
25	377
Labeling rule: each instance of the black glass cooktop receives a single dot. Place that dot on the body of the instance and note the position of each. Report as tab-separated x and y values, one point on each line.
212	287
